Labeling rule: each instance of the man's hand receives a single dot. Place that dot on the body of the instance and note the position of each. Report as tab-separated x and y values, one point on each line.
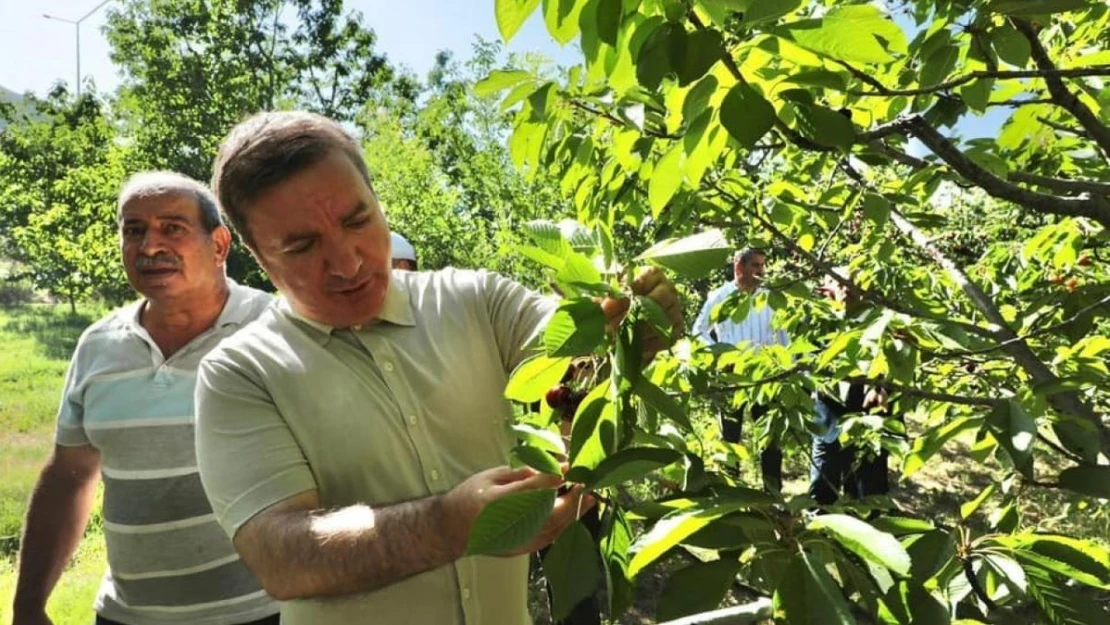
653	284
464	502
875	398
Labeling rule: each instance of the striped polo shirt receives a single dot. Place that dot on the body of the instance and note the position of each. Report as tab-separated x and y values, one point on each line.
169	561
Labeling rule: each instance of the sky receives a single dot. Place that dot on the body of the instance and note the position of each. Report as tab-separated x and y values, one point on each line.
36	52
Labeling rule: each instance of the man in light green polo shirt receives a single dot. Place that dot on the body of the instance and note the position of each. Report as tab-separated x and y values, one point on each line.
348	438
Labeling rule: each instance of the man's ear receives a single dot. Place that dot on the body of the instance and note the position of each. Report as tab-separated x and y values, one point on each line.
221	238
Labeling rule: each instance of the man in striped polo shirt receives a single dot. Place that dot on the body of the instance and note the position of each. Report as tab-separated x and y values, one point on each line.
127	414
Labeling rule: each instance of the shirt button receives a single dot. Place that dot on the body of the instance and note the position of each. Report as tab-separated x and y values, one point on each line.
387	366
466	593
412	419
435	474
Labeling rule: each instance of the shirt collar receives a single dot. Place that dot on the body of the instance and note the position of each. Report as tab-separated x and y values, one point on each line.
397	310
235	310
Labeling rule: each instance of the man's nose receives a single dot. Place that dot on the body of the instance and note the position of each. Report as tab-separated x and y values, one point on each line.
343	261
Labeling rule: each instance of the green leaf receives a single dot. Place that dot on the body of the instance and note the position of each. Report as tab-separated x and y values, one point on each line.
876	209
1061	604
572	569
865	541
609	14
929	443
576	328
536	458
1036	7
697	99
767	10
694	256
578	270
548	237
561	17
1087	480
511	15
667	41
702	50
938	66
510	522
532	379
629	464
901	526
594	428
499	80
1011	45
746	115
856	33
666	533
1015	431
968	508
1085	561
666	178
826	126
807	595
664	403
977	93
538	437
696	588
819	78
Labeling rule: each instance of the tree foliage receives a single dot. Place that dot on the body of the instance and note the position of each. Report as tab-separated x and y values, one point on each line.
831	132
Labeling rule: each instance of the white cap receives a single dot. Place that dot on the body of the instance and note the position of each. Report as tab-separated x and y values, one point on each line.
402	249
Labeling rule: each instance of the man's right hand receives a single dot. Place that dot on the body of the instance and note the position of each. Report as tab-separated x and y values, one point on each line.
464	502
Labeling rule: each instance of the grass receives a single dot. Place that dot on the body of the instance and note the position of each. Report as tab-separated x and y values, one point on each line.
36	341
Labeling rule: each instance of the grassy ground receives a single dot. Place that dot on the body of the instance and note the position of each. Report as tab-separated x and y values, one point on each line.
35	344
36	341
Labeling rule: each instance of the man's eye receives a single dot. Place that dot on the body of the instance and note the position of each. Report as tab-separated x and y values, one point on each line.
358	223
299	248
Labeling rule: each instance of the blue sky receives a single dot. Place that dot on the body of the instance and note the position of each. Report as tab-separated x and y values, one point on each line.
37	52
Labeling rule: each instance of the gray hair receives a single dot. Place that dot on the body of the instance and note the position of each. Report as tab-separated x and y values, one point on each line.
743	256
149	184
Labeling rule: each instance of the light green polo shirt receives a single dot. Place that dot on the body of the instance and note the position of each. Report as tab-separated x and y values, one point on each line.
402	409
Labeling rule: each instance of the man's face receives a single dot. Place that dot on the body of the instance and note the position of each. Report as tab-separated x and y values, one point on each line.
750	273
324	242
404	264
166	251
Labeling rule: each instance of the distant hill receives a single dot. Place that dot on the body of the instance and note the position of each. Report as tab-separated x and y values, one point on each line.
9	96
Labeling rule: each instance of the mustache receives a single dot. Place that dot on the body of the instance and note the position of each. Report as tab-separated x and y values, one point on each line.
161	260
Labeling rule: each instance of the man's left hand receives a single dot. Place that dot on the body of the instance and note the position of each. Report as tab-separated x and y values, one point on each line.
652	283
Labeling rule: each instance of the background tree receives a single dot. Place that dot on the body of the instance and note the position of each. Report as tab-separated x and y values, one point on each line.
62	170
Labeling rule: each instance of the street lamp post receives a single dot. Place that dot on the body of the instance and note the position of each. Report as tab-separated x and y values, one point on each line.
77	27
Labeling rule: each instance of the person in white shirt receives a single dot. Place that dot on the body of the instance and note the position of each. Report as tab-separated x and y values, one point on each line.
755	330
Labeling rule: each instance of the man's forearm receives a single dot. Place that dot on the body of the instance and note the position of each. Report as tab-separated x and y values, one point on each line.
56	519
350	550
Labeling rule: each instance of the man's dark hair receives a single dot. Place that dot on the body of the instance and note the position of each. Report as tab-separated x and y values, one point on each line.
745	255
267	149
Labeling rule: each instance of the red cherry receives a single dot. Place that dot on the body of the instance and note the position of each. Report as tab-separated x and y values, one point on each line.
557	397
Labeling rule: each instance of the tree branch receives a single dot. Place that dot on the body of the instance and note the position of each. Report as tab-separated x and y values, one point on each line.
1061	185
1016	103
613	119
1046	73
1067	402
1095	207
909	391
1061	127
1098	131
